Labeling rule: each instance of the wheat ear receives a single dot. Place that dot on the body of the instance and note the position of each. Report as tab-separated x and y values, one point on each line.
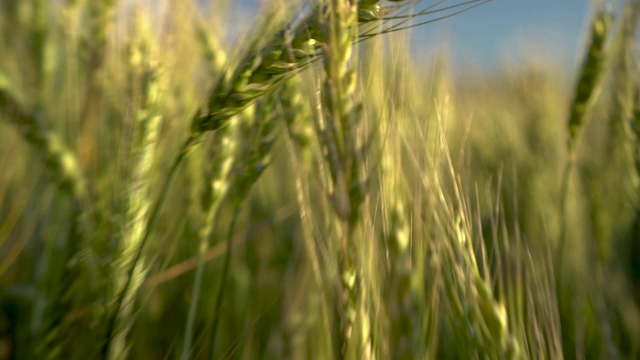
587	92
142	52
338	134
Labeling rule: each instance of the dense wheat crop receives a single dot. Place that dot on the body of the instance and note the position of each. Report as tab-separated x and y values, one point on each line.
177	183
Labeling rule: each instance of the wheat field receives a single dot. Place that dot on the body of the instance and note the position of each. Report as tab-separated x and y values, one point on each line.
298	185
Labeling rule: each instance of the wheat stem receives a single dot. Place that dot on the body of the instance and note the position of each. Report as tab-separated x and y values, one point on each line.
223	281
217	183
152	222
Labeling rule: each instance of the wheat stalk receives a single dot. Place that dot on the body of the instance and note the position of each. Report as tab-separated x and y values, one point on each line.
144	67
218	183
223	155
301	145
253	159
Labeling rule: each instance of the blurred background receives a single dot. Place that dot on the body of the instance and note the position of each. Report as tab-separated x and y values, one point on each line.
512	171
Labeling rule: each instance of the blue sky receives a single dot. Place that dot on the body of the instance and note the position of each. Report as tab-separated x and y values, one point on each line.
510	30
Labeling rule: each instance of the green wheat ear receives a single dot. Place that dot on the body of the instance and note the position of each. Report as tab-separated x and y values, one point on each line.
591	76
